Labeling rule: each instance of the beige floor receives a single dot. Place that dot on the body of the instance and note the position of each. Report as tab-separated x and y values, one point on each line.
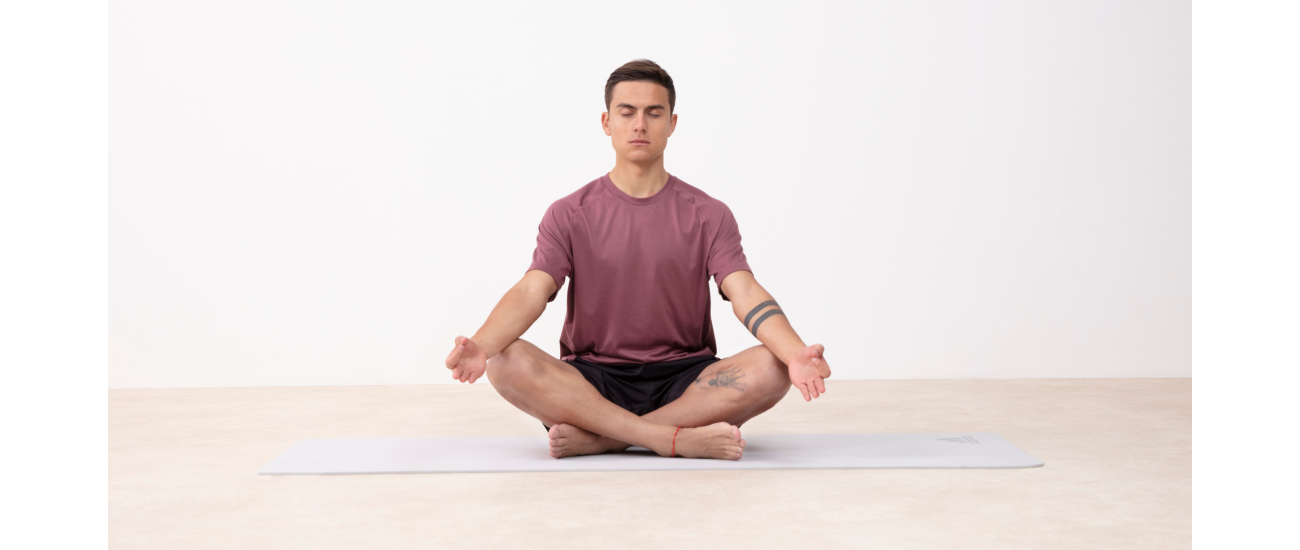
1117	474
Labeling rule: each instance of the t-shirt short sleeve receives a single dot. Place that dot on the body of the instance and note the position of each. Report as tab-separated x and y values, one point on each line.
554	253
726	255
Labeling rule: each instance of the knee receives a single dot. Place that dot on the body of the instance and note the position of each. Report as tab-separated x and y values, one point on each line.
511	366
775	377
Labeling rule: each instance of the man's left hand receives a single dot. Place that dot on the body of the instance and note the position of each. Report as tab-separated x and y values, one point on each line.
807	369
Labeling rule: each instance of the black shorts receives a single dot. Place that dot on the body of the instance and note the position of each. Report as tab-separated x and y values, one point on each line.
643	388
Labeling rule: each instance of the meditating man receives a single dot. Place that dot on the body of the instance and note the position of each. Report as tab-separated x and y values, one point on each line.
638	362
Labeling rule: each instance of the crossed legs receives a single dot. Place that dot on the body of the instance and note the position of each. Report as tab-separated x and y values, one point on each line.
727	394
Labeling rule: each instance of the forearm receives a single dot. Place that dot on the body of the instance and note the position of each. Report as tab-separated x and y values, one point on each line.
757	308
512	316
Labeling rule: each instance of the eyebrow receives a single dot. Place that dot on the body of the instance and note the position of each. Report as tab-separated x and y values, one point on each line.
633	107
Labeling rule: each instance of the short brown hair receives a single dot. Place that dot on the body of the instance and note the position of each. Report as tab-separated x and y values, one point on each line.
642	70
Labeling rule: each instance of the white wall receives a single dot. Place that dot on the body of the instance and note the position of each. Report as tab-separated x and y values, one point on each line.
319	193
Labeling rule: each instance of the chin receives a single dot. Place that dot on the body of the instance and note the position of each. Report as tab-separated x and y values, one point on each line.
640	155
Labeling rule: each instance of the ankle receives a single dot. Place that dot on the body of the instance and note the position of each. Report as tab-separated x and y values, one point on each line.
663	440
677	436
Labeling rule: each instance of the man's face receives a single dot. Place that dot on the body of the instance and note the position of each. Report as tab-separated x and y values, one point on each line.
638	121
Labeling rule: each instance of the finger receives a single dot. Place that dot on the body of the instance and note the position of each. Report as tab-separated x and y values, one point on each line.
803	388
454	357
455	373
812	389
821	385
823	368
477	375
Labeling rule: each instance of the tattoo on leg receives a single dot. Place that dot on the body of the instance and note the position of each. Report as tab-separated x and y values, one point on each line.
725	378
757	309
762	318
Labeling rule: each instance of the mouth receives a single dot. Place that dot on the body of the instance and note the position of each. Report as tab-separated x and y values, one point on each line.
639	142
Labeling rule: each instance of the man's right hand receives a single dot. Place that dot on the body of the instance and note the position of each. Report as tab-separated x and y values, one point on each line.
466	361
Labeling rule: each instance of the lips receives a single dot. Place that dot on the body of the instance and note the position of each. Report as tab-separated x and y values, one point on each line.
640	142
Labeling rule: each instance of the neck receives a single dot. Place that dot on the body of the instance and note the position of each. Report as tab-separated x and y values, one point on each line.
639	180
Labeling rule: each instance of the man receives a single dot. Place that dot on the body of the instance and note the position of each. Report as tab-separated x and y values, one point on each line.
638	363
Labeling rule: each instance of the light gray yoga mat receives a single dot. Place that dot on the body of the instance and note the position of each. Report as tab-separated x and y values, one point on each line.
408	455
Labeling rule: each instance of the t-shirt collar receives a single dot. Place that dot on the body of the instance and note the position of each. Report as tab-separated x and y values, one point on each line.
614	190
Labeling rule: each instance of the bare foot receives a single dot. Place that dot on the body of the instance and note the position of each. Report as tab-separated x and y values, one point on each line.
570	440
720	440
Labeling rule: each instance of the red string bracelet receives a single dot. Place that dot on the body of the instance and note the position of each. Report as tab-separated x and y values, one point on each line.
674	451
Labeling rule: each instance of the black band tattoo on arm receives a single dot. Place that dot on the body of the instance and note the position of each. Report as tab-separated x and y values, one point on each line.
762	318
758	308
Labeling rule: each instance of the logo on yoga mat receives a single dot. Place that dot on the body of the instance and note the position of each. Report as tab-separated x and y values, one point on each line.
962	439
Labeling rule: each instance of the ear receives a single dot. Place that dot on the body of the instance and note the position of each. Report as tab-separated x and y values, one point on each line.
672	125
604	123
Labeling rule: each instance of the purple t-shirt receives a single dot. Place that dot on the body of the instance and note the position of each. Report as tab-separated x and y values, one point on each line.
639	270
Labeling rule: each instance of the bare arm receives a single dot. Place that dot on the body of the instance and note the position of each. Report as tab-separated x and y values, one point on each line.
760	313
517	310
775	331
